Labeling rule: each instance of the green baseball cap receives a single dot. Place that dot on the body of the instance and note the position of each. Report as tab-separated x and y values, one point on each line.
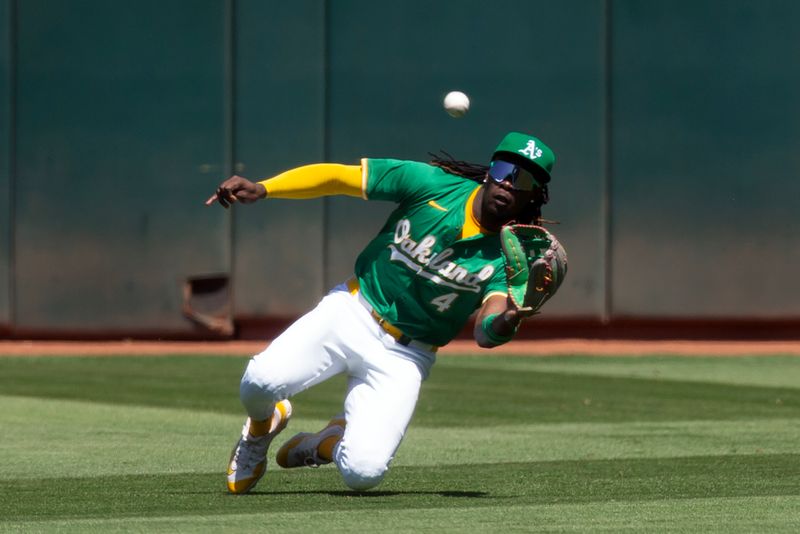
529	152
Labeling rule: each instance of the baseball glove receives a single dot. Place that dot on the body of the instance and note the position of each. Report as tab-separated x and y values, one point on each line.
536	264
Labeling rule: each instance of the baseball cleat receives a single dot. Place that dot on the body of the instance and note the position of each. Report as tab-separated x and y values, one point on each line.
312	450
248	461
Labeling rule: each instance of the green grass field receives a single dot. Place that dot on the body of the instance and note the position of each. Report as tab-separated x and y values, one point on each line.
566	444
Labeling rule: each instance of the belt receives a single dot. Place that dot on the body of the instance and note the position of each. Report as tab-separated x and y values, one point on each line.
389	328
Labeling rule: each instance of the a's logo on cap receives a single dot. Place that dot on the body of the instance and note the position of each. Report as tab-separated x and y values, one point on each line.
532	151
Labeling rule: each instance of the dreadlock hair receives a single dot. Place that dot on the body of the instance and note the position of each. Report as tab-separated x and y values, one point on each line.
532	214
473	171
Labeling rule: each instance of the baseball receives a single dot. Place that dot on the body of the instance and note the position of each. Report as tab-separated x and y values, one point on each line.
456	104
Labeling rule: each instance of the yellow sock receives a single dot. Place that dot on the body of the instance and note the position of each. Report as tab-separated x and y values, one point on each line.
326	446
259	428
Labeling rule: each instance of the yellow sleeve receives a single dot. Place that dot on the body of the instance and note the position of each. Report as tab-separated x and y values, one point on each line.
318	180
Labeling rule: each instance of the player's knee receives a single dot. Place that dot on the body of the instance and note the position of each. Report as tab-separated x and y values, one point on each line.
364	475
362	471
256	387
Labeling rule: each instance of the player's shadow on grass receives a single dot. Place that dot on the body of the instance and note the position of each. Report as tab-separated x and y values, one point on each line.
368	494
458	494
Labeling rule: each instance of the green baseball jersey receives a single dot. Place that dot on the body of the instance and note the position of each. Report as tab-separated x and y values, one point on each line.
418	273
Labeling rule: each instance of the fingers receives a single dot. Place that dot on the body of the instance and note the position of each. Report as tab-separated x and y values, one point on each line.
225	195
213	198
218	196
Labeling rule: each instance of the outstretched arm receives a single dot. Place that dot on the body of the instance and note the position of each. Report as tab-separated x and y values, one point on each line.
496	322
309	181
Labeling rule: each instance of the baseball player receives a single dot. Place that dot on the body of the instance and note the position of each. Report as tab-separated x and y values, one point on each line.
436	260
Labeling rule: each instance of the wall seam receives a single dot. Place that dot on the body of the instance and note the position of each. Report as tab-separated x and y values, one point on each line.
608	287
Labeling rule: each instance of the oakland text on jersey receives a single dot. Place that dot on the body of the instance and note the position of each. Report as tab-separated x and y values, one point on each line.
419	257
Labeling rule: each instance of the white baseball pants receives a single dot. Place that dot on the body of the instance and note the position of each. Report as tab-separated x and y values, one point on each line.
340	336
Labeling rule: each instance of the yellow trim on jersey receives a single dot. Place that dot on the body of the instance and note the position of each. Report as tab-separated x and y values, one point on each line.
318	180
353	285
364	175
493	293
471	225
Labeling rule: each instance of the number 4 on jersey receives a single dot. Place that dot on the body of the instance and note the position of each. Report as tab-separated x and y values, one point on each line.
443	302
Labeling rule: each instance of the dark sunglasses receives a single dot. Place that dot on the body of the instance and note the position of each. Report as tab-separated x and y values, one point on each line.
520	179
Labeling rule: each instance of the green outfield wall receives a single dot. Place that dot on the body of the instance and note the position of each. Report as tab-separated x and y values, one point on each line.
675	126
120	130
704	137
280	122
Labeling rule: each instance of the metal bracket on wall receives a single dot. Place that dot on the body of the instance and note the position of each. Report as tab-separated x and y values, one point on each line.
207	303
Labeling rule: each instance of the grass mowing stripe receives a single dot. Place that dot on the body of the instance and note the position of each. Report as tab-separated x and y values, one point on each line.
57	437
511	395
129	440
771	371
725	515
484	485
500	396
197	382
575	441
